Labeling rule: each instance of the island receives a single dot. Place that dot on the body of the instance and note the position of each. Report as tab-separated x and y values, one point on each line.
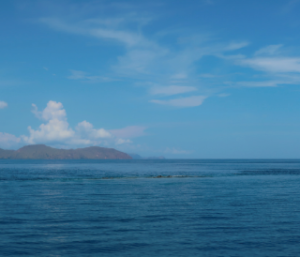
40	152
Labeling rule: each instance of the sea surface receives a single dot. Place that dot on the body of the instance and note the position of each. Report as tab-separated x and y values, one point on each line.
150	208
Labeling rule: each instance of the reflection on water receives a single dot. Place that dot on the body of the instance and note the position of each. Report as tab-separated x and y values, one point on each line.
146	208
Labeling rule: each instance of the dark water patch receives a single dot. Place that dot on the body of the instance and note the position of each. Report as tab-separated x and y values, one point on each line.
80	179
270	172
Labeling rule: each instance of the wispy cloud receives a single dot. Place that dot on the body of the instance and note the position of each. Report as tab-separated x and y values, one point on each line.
3	104
146	58
276	64
270	83
81	75
77	74
273	81
236	45
171	90
173	69
99	28
191	101
269	50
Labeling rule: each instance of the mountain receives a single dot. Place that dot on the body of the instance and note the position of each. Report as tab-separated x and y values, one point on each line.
46	152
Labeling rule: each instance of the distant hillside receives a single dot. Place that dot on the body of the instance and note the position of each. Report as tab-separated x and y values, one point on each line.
45	152
135	156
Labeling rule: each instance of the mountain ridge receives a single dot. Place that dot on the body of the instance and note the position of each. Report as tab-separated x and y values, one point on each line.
41	151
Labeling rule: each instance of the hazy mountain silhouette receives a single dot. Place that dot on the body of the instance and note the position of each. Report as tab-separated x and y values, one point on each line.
46	152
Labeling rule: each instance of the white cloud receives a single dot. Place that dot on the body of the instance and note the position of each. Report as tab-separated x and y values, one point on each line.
87	129
56	129
141	61
171	90
99	29
3	105
268	50
276	64
128	38
53	110
191	101
150	62
8	140
270	83
274	81
144	58
236	45
35	111
77	74
278	69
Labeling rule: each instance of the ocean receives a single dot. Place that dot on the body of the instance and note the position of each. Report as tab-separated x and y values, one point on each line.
150	208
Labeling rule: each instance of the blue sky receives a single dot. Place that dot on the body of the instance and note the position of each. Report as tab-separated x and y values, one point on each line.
182	79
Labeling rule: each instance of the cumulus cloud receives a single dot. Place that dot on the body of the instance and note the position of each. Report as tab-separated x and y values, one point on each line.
56	129
3	105
54	111
191	101
87	129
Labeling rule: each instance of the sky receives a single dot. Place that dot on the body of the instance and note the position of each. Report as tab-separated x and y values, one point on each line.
180	79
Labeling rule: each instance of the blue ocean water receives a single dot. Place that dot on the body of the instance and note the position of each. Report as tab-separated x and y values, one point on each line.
150	208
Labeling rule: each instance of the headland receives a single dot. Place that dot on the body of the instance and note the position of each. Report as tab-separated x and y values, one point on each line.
40	152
